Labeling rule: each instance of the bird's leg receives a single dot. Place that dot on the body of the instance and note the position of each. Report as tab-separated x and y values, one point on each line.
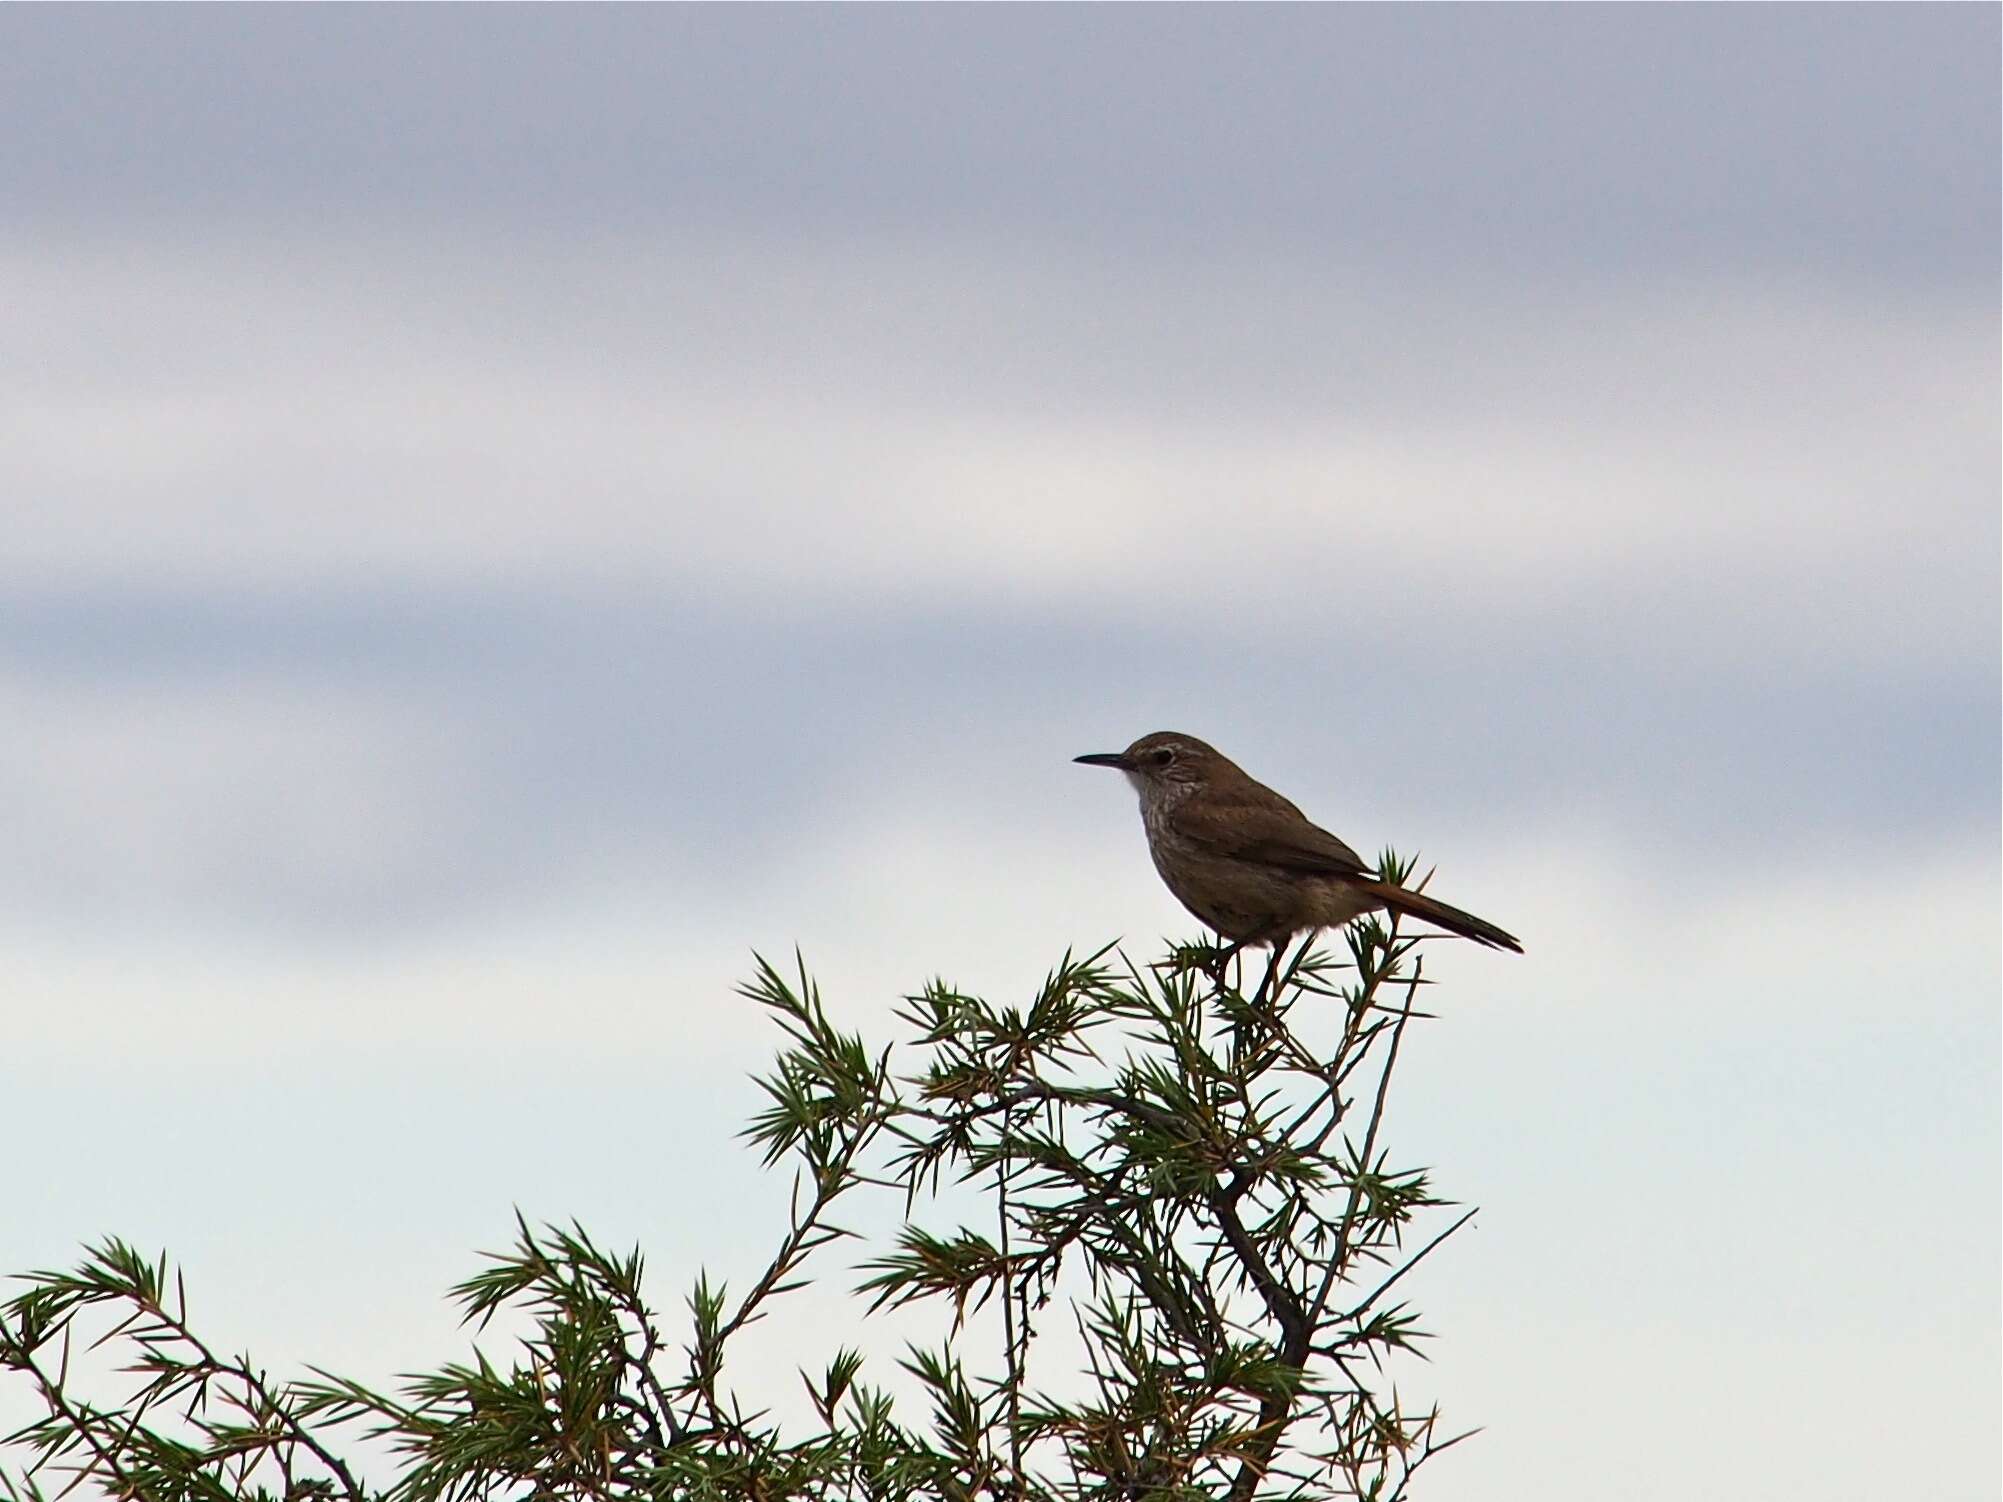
1220	961
1268	993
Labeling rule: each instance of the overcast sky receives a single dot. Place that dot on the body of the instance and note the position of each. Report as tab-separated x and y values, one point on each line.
503	512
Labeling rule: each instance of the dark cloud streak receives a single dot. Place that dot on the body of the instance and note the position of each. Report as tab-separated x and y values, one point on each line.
623	736
1562	141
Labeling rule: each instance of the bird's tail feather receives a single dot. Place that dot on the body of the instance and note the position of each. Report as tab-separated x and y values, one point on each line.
1419	905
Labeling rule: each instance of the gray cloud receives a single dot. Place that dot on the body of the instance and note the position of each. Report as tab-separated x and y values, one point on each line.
352	592
1805	474
1857	141
355	765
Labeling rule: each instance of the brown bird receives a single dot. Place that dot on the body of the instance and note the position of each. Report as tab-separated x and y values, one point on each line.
1247	862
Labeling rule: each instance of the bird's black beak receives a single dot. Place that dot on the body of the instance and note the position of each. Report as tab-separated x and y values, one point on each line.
1105	759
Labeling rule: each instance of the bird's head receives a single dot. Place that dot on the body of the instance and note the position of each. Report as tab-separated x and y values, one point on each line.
1165	762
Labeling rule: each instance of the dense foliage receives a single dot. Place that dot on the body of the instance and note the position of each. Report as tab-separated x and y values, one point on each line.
1189	1231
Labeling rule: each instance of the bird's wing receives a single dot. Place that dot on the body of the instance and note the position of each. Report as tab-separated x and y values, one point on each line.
1272	836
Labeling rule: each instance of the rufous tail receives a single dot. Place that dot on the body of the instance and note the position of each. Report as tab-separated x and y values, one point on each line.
1452	919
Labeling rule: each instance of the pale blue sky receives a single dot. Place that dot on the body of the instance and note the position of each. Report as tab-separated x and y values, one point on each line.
504	511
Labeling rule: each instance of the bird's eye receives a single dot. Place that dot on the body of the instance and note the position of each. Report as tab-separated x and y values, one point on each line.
1162	757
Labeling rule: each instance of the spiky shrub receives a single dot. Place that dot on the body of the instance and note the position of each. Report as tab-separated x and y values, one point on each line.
1181	1285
